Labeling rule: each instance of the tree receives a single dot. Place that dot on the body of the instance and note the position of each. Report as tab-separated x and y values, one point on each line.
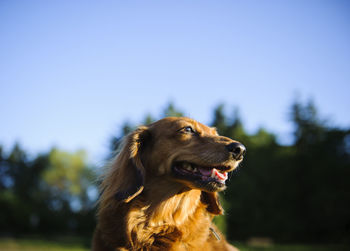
68	177
171	111
46	195
323	161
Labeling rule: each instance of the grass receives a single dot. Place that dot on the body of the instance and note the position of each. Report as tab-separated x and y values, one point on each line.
291	247
75	244
9	244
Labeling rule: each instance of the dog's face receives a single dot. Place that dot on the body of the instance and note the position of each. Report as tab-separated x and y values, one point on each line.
190	153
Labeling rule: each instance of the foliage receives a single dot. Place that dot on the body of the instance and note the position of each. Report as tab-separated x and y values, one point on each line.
299	192
67	176
45	195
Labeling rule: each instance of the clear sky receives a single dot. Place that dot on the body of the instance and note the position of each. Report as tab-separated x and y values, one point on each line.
72	72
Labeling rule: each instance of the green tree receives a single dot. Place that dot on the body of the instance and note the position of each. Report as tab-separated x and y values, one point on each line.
20	190
46	195
323	188
172	111
69	177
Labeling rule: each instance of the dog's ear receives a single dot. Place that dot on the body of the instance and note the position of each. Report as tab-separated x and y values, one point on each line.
132	171
126	175
212	202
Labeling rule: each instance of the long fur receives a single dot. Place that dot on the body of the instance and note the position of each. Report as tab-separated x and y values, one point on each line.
142	208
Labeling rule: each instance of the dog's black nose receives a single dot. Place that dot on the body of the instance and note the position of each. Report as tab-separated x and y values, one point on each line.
237	150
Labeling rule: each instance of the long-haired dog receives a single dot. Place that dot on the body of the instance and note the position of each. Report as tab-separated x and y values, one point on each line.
160	192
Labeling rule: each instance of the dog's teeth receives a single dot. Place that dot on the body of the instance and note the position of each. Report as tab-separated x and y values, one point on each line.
212	173
187	166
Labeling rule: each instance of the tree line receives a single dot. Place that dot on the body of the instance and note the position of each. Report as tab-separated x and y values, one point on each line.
290	193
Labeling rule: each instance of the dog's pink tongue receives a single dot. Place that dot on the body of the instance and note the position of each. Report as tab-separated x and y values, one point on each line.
213	173
221	176
205	171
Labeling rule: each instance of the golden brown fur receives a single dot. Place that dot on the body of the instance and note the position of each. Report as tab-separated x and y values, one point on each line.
144	206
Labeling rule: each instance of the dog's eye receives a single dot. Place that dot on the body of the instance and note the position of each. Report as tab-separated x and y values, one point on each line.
188	129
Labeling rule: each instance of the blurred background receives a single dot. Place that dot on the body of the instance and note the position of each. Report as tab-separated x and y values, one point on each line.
76	76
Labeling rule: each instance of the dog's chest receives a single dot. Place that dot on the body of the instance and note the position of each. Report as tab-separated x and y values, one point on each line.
179	229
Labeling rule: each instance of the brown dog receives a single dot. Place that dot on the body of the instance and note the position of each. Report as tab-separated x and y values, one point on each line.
160	192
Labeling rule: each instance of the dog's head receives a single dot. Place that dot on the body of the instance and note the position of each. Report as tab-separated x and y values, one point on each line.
180	150
191	153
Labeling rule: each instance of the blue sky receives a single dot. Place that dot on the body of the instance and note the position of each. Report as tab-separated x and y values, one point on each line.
72	72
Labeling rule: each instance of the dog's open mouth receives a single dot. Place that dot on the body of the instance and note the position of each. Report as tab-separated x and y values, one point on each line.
203	174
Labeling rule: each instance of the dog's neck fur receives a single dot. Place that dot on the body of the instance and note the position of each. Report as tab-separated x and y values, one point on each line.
164	214
171	204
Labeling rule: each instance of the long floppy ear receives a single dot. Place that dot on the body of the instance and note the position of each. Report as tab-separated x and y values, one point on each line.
212	200
125	178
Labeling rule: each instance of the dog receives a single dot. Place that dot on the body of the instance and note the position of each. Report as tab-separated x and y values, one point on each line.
161	190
